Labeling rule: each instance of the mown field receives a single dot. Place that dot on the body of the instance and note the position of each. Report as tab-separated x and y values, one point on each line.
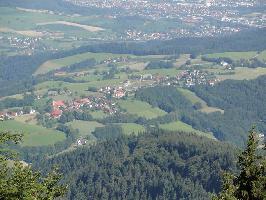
98	114
193	98
239	73
131	128
180	126
142	109
172	72
234	55
85	127
77	88
33	135
62	62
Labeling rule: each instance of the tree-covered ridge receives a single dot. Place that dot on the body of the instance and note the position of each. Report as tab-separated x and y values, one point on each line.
243	103
168	98
157	165
230	94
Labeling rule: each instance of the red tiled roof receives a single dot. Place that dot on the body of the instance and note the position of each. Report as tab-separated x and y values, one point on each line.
58	103
56	113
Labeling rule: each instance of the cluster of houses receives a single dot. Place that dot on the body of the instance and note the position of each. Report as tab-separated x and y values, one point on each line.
116	60
91	103
186	78
8	115
196	77
116	92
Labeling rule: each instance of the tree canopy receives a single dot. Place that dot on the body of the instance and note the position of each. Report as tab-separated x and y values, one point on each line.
18	181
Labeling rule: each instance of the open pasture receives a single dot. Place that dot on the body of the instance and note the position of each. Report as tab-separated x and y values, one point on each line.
130	128
193	98
140	108
180	126
234	55
62	62
240	73
34	135
85	127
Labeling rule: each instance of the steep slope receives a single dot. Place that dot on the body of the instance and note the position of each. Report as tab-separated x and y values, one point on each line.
158	165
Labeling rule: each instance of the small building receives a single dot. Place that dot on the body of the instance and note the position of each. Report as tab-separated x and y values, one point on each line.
56	113
147	77
81	142
59	104
119	93
52	93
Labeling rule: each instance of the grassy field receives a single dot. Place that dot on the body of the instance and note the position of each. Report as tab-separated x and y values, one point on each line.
242	73
182	60
234	55
59	63
98	114
129	128
180	126
33	135
193	98
79	88
28	119
141	109
164	72
262	55
85	128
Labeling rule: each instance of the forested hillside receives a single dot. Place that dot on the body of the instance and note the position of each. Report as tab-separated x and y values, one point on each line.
243	103
157	165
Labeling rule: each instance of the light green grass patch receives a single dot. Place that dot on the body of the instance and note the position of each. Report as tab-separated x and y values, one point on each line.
78	88
33	135
242	73
193	98
262	55
164	72
141	109
98	114
129	128
28	119
233	55
62	62
181	60
180	126
85	127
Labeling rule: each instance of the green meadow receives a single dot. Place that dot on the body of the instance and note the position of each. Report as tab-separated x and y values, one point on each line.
85	127
62	62
140	108
34	135
129	128
180	126
193	98
234	55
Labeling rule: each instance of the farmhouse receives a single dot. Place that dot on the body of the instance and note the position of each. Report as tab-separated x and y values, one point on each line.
59	104
119	93
56	113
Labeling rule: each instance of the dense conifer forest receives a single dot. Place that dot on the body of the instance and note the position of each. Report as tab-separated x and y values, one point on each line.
154	165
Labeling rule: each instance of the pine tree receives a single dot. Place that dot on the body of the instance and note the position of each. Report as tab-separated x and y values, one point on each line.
250	184
19	182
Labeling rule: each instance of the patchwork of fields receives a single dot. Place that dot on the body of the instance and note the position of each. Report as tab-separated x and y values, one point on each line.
58	31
